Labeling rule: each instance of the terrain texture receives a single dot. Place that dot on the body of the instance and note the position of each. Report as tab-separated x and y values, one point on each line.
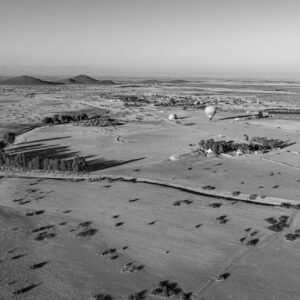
151	218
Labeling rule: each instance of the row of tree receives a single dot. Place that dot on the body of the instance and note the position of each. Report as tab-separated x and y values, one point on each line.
21	163
58	119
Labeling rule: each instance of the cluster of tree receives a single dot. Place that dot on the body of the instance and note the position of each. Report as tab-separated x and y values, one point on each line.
58	119
255	144
2	145
20	162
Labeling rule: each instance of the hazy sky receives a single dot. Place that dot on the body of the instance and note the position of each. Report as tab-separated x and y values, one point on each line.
150	37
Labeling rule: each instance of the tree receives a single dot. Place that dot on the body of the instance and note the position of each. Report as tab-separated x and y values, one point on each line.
221	148
9	137
23	160
1	158
56	119
36	163
50	165
82	164
215	148
2	145
48	120
202	143
29	165
63	165
75	164
55	164
69	165
45	164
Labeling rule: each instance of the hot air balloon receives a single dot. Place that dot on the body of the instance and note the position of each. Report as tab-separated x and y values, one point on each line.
172	117
210	111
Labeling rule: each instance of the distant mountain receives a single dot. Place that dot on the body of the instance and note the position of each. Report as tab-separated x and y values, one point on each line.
66	71
107	82
84	79
177	81
27	80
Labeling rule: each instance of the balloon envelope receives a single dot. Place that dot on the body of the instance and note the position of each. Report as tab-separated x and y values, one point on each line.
210	111
172	117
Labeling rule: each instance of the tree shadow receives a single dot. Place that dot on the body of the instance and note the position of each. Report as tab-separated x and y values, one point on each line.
181	118
45	140
233	117
16	148
284	144
44	151
101	163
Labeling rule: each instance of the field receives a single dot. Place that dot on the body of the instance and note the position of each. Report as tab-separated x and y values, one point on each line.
183	226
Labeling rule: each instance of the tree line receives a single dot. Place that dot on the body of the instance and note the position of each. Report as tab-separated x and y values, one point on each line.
58	119
255	144
19	162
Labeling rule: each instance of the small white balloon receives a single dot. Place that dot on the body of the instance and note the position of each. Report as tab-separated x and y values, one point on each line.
172	117
210	111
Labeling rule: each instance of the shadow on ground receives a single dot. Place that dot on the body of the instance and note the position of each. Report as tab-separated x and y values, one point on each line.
43	151
63	152
234	117
45	140
101	164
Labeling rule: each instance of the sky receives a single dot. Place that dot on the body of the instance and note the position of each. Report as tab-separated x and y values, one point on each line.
154	37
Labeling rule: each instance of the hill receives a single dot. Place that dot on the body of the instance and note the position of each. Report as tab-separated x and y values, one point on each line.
26	80
84	79
157	81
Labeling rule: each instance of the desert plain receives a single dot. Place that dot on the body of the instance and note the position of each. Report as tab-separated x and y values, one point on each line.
151	218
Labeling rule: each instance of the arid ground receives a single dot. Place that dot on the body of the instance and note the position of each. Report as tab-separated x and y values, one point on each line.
190	227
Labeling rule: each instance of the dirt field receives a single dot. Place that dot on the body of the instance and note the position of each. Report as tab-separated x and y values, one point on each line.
113	239
69	233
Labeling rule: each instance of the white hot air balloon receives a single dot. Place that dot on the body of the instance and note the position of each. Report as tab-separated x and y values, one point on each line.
210	111
172	117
